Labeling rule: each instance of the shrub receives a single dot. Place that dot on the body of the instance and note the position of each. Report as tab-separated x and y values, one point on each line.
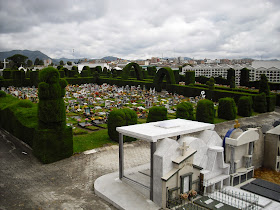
230	74
85	73
263	85
25	103
120	117
244	77
271	102
2	93
190	77
227	108
205	111
51	91
52	140
245	106
157	113
185	111
260	103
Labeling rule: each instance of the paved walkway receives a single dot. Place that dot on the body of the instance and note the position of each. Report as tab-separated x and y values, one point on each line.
25	183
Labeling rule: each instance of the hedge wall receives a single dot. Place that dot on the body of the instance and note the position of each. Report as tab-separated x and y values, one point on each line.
271	102
260	104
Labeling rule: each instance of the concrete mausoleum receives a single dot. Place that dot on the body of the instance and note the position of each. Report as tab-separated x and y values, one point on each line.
185	156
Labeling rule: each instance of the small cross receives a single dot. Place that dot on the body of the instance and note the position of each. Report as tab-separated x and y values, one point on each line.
5	62
183	148
237	125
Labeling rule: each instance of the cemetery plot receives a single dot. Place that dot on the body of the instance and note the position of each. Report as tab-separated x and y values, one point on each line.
264	188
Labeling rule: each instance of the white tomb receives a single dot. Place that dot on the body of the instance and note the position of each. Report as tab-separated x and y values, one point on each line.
162	161
239	152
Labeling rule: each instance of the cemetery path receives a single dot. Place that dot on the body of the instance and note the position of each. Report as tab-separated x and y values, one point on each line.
25	183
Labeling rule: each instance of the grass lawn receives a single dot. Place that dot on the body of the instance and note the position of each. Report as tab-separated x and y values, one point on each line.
90	141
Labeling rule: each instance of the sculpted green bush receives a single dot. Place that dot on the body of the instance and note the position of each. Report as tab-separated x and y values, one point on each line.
120	117
245	104
157	113
227	108
185	111
205	111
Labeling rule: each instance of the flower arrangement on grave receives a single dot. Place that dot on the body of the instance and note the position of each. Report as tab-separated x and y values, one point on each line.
184	196
192	194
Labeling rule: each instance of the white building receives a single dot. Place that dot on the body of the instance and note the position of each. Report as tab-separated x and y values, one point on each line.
270	68
92	65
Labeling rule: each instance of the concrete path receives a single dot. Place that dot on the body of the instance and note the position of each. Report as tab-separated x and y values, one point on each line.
25	183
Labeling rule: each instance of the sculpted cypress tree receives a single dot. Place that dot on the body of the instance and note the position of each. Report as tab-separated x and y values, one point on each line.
264	86
52	140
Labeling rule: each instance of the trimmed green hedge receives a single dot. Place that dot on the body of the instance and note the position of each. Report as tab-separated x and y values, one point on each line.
157	113
185	111
260	104
51	145
118	118
126	71
205	111
245	106
161	73
18	117
190	77
271	102
227	108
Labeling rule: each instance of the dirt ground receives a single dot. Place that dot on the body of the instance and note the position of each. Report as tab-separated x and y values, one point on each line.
268	175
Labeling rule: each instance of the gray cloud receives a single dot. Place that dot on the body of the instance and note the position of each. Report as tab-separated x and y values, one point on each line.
141	29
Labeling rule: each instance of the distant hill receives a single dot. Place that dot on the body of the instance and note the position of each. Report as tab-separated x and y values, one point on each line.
32	55
110	58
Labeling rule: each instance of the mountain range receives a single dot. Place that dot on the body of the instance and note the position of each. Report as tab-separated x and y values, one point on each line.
32	55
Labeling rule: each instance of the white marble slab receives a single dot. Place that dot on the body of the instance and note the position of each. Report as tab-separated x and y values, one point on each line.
151	132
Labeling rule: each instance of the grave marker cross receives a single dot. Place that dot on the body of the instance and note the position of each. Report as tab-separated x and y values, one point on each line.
5	62
183	148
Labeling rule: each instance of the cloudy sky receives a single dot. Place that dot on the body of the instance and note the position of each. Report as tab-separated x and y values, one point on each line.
142	28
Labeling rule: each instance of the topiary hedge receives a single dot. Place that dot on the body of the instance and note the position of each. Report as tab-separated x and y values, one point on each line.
271	102
185	111
227	108
157	113
260	104
126	71
52	140
205	111
161	73
118	118
245	104
190	77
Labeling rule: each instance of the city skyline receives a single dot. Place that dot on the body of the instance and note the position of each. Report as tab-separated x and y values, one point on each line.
143	29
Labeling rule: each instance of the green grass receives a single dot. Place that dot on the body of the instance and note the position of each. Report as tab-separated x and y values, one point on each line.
79	131
93	128
90	141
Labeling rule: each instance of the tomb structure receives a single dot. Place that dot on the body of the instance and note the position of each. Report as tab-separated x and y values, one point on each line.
239	153
171	168
272	149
